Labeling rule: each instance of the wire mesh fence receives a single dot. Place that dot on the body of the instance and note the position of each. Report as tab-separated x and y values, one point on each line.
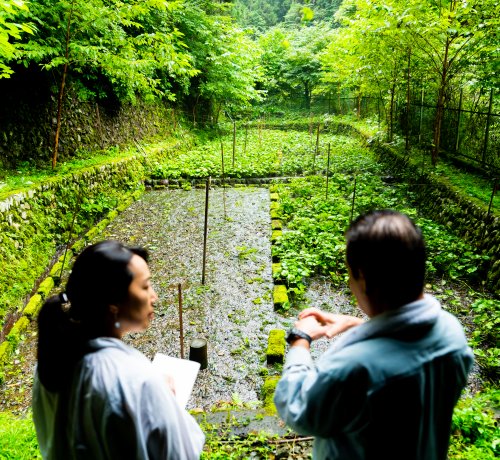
470	127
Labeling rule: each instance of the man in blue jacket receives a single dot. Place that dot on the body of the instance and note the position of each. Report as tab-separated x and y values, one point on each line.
385	389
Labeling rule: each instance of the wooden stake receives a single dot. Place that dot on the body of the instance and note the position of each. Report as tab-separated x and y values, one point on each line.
327	171
223	178
353	199
205	231
181	328
316	149
234	141
246	136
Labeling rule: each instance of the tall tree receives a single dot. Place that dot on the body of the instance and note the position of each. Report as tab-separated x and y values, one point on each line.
292	59
10	30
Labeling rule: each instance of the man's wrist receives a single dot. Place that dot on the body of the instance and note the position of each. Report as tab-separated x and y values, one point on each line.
294	335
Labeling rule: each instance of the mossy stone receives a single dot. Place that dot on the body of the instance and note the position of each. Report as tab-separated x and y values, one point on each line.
78	246
69	255
19	327
276	346
274	205
5	351
268	390
276	224
280	295
55	272
45	287
33	307
276	270
276	235
274	196
112	215
275	214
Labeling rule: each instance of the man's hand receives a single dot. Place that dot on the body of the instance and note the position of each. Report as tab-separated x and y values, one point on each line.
325	324
312	327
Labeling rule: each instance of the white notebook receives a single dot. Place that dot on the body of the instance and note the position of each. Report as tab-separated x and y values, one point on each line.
182	371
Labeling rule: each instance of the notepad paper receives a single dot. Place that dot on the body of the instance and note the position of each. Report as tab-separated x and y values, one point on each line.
182	371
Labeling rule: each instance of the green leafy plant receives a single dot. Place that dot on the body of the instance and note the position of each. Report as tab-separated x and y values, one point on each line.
486	336
17	438
475	430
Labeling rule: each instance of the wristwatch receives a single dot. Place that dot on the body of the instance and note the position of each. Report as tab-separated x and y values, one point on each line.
295	334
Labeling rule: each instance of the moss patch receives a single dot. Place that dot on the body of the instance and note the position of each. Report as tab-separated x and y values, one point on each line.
33	307
268	390
276	235
45	287
280	296
276	346
276	224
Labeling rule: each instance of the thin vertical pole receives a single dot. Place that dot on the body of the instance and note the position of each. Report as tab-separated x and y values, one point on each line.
494	191
353	199
75	211
487	130
327	171
181	327
205	231
421	115
457	136
234	140
316	149
408	95
223	178
246	136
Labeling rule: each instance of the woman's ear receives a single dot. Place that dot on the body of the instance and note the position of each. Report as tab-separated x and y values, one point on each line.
114	309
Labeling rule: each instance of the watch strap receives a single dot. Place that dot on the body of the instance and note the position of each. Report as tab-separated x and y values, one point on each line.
295	334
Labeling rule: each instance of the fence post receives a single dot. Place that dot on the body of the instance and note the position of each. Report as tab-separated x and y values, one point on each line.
487	130
493	192
353	199
327	171
234	141
457	137
421	115
205	231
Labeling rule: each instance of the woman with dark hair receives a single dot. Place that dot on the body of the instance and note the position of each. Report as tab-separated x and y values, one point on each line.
94	397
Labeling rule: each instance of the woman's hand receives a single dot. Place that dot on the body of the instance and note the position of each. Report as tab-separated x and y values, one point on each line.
328	324
170	383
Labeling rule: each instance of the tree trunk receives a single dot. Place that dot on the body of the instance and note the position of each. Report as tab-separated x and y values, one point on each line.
307	95
438	120
408	93
391	111
61	89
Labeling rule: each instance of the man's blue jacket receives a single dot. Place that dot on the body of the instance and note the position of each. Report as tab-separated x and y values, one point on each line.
385	390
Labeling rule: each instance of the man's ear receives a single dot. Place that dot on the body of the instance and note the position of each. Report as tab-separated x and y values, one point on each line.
362	282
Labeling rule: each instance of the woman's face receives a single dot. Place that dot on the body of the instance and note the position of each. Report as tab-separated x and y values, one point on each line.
137	311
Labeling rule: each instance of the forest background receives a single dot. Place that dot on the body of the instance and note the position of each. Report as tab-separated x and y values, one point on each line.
426	71
429	70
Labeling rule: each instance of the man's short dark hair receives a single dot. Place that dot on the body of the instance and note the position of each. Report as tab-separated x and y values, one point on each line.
388	249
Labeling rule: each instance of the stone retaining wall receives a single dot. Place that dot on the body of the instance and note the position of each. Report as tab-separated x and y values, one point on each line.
439	200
